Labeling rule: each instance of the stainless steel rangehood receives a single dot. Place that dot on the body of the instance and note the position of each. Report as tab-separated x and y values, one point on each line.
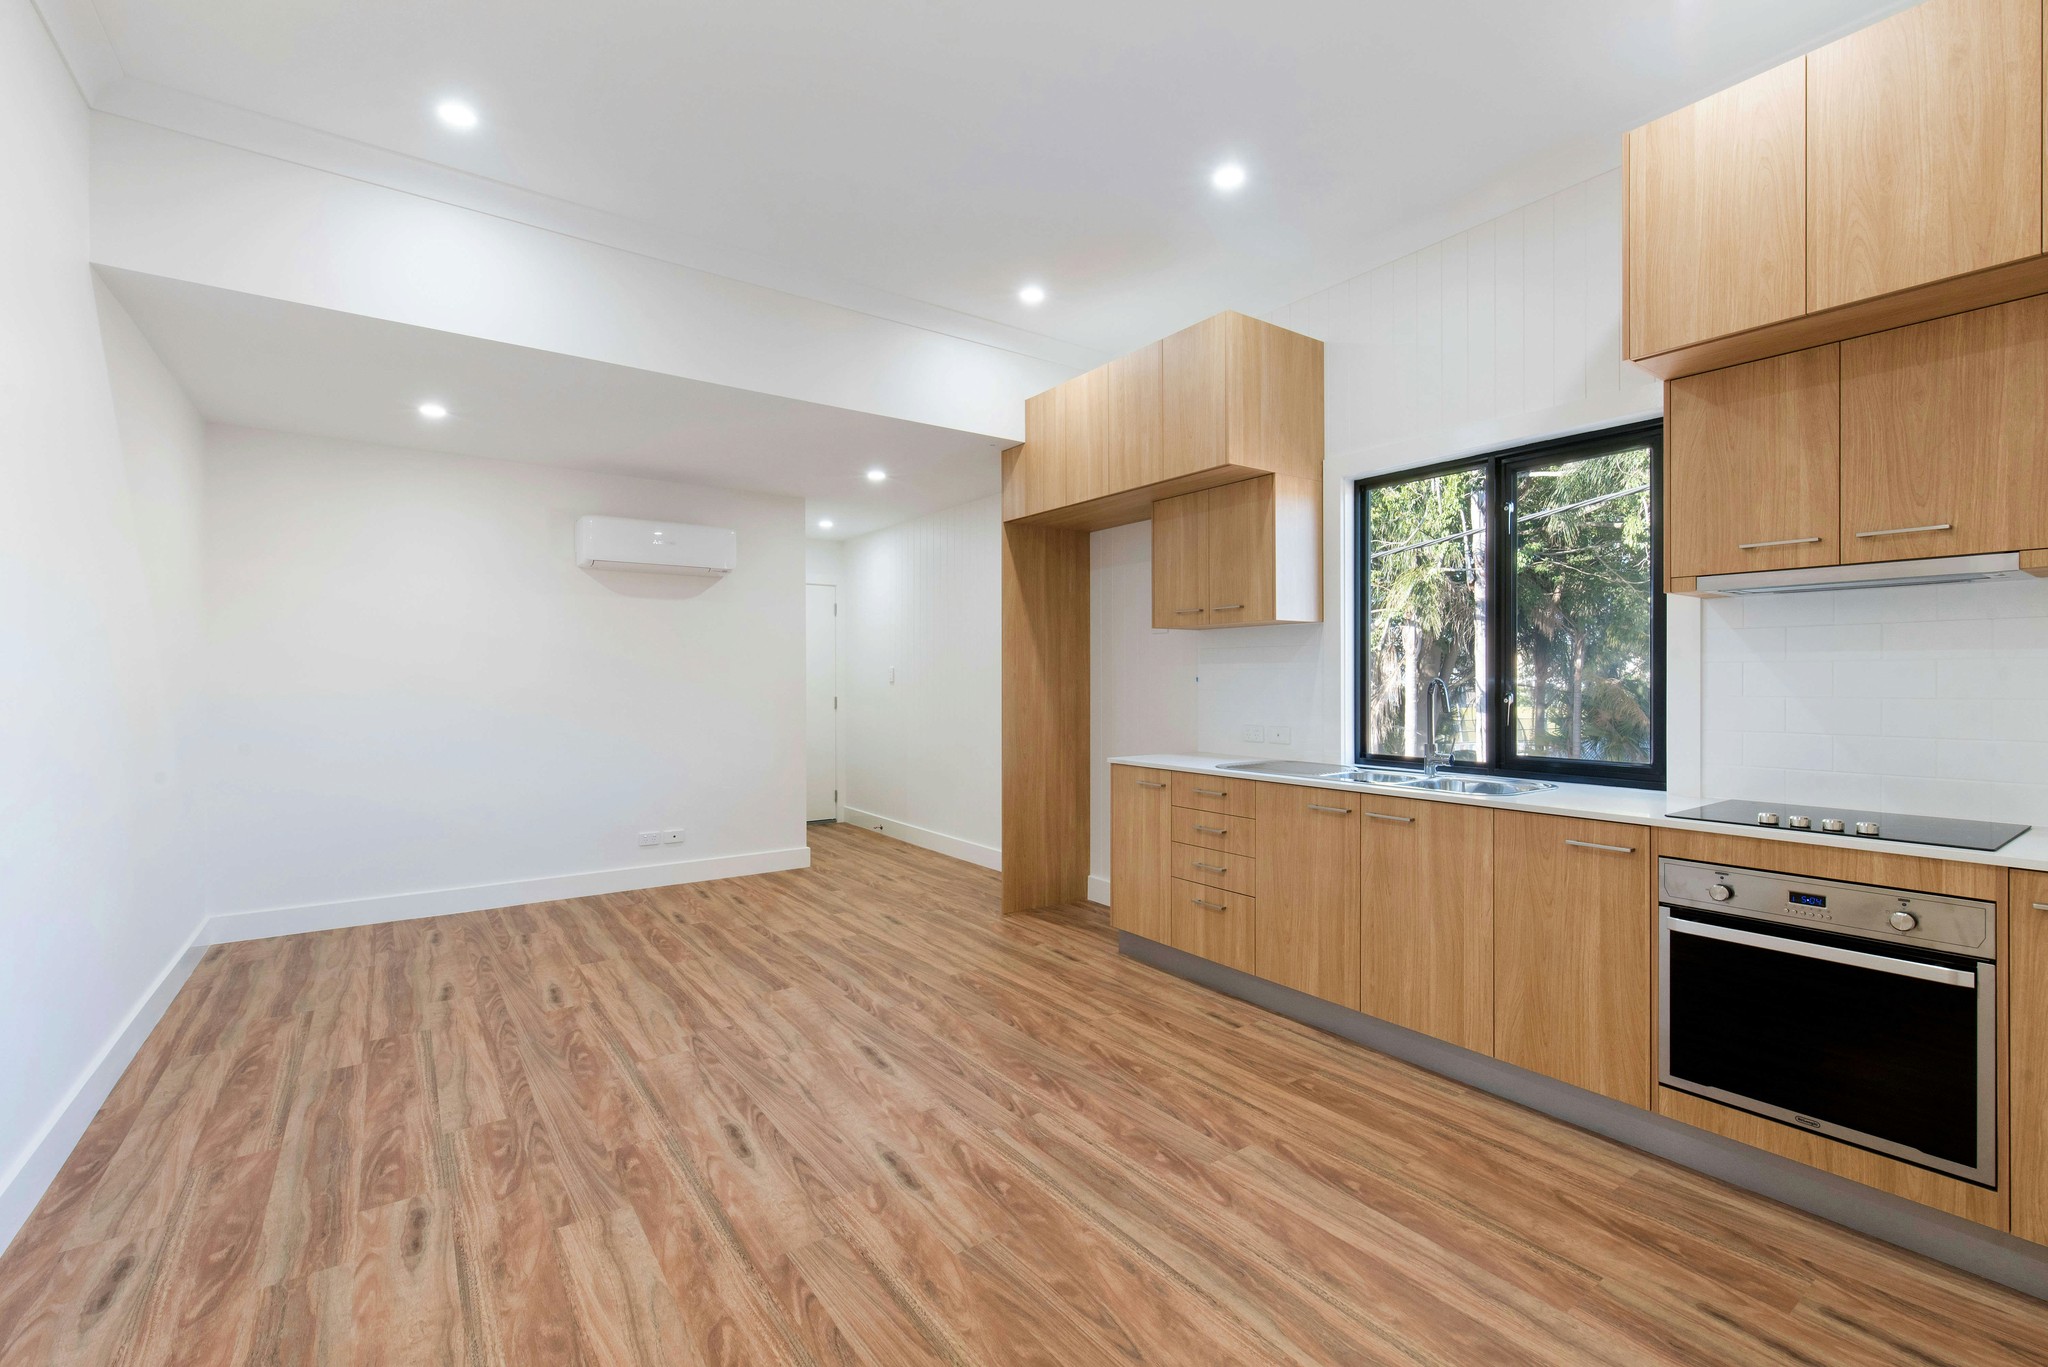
1886	574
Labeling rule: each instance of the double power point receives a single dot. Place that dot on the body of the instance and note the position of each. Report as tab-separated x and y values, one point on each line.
661	837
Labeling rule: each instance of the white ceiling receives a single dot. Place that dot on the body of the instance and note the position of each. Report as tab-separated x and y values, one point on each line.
265	363
945	153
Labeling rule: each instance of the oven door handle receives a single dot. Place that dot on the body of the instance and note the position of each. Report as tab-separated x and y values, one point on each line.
1904	968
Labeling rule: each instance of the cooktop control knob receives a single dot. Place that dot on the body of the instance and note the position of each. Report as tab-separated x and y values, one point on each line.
1766	818
1904	920
1801	823
1720	892
1866	828
1831	824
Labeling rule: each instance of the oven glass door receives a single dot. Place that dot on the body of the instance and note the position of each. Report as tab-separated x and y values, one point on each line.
1889	1050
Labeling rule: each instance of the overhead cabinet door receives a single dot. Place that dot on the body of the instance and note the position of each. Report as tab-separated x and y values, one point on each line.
1717	215
1944	426
1752	466
1923	148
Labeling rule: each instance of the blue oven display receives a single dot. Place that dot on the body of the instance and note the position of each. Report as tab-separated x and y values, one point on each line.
1807	899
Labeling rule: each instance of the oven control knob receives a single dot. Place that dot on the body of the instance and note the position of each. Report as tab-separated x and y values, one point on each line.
1766	818
1904	920
1720	892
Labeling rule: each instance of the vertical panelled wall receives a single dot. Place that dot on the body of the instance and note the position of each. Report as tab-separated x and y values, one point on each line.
1505	333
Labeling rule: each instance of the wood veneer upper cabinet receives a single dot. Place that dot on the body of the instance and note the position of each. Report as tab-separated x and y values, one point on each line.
2026	986
1572	911
1180	583
1427	920
1716	218
1246	393
1084	436
1943	426
1240	554
1923	148
1305	935
1752	466
1135	408
1140	851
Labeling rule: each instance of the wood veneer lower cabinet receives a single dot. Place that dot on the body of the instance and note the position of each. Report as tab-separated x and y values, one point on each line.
1210	923
1572	912
1140	851
1427	918
2026	986
1217	793
1306	931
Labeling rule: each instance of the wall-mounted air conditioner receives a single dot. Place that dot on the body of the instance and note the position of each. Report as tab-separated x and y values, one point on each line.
625	543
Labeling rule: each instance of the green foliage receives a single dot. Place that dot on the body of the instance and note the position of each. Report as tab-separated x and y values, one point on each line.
1583	601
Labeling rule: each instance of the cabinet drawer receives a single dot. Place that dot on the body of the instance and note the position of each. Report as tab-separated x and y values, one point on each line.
1213	924
1215	868
1215	793
1214	830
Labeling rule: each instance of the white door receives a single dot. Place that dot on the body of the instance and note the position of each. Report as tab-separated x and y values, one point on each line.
821	700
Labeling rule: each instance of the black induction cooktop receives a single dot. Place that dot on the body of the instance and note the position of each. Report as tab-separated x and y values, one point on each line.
1803	818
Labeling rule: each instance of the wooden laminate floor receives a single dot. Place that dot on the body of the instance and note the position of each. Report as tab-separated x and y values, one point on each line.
850	1115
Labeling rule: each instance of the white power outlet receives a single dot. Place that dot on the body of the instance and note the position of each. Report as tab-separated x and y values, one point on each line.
650	837
671	837
1255	734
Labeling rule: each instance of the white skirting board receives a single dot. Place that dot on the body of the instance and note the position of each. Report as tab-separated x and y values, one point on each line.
227	927
21	1188
988	856
1098	889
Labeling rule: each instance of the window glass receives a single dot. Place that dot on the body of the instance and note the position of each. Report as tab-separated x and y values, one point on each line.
1584	631
1425	616
1518	590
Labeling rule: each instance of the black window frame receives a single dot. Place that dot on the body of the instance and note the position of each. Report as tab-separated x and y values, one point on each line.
1498	668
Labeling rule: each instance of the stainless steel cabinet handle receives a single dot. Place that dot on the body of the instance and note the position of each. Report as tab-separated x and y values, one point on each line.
1382	816
1213	830
1148	783
1182	612
1788	541
1213	906
1212	868
1908	531
1611	849
1338	811
2041	906
1208	792
1228	607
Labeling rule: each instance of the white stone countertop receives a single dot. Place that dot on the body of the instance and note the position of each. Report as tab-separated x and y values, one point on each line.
1636	806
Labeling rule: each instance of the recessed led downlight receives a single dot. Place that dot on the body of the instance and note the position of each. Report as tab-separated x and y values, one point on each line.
433	411
824	524
1227	177
1032	294
877	475
457	114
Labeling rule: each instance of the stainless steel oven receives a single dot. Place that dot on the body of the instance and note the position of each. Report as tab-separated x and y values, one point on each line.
1866	1014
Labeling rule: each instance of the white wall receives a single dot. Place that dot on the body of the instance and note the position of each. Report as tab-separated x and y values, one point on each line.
99	893
923	754
1929	700
823	561
415	695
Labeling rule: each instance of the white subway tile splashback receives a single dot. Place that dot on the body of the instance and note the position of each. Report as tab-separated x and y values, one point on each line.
1931	700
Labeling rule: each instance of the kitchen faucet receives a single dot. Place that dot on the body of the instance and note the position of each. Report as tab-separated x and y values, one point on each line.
1434	755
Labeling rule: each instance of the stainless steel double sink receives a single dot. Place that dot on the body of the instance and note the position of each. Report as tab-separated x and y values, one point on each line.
1405	779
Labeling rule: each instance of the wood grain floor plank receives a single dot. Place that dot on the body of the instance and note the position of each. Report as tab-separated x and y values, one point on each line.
853	1115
